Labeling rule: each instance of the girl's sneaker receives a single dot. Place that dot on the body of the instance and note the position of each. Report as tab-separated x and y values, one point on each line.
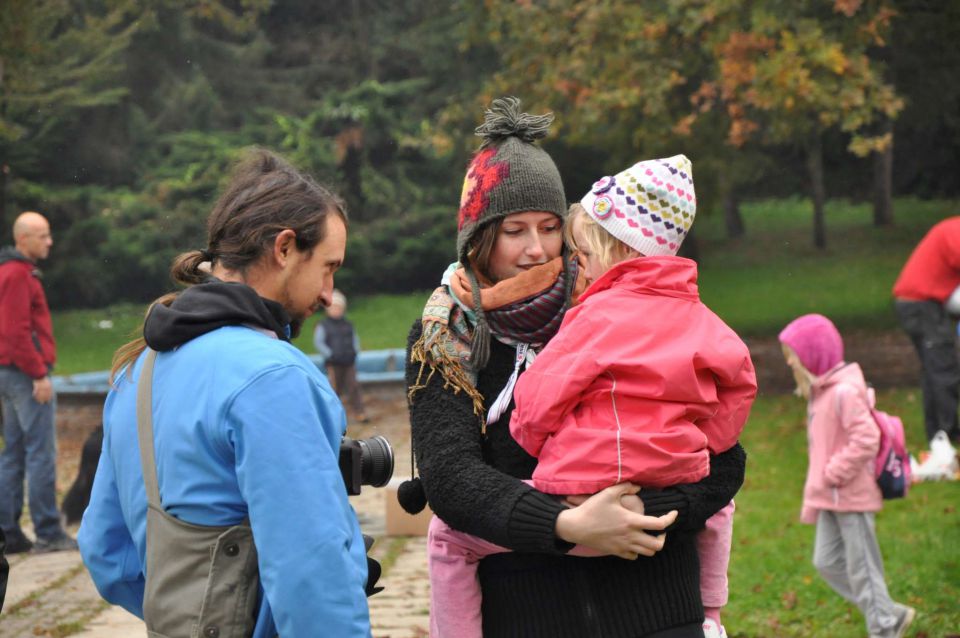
906	614
712	630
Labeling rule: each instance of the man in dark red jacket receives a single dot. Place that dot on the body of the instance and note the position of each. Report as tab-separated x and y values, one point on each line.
930	276
27	355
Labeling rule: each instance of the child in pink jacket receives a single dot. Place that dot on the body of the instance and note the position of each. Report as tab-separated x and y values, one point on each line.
641	384
841	494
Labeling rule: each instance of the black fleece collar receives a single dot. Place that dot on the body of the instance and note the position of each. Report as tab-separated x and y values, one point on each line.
208	306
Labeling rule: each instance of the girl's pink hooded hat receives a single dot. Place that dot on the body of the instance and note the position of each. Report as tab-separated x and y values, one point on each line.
816	341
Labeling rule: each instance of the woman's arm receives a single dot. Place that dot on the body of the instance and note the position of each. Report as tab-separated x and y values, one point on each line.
696	502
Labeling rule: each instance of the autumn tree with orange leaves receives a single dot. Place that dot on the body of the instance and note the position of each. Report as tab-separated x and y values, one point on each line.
721	75
792	76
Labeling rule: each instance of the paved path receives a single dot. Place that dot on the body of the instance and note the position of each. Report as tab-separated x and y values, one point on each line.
52	594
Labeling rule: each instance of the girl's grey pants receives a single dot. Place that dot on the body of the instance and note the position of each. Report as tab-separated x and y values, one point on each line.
848	557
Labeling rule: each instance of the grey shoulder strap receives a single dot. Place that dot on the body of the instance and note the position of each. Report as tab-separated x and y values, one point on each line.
145	429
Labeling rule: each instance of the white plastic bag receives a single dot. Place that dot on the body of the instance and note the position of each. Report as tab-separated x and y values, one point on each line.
952	304
941	464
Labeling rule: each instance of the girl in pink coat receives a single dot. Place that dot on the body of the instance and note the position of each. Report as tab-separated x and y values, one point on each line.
841	494
642	382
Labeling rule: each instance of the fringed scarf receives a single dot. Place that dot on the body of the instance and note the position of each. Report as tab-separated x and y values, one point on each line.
527	308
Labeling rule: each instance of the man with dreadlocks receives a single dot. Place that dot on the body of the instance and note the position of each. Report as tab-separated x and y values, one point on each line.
498	305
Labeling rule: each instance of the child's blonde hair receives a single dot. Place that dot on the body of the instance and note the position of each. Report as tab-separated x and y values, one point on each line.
803	377
608	249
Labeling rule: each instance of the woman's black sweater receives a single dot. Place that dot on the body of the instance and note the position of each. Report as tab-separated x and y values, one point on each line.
537	591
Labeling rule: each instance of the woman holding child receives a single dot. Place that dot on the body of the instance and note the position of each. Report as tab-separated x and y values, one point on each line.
496	308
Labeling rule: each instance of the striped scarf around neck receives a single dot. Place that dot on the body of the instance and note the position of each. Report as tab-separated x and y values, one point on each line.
527	308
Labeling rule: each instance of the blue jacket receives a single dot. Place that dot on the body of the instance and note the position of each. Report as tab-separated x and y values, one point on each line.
230	443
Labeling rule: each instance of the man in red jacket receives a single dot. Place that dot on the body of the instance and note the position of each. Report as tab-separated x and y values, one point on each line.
927	280
27	354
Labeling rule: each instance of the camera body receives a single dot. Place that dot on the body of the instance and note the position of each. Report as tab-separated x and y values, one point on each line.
365	462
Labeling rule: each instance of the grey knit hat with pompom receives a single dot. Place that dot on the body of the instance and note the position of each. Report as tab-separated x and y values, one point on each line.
509	173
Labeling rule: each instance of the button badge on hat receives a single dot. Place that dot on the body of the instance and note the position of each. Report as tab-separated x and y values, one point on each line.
602	185
603	207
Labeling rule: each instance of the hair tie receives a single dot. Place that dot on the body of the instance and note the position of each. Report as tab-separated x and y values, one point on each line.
207	254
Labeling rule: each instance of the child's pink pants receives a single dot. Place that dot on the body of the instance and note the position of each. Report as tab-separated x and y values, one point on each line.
455	598
713	547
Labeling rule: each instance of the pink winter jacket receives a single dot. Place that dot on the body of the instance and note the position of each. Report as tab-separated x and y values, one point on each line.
641	383
843	441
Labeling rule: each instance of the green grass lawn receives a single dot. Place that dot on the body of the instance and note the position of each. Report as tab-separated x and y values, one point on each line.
774	588
759	283
86	339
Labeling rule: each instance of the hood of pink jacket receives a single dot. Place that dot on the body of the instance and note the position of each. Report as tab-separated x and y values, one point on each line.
666	276
843	440
816	341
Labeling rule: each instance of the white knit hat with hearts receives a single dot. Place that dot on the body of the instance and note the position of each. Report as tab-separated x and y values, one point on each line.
649	207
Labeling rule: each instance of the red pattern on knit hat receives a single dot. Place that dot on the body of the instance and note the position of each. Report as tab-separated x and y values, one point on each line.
482	177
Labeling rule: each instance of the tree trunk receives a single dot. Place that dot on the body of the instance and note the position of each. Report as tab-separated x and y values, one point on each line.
883	182
731	210
361	34
817	190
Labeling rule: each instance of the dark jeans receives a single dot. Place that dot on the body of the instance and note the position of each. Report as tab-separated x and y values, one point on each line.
934	335
30	452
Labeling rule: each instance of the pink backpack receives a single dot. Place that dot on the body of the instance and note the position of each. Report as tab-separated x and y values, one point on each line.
892	468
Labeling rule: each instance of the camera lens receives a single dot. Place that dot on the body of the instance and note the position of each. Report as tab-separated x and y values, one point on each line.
376	461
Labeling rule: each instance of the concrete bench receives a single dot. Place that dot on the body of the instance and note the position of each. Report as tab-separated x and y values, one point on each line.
375	366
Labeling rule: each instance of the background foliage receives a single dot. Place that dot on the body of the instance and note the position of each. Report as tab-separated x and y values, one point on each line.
119	119
756	284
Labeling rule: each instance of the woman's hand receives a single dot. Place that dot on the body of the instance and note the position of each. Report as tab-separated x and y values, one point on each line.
603	523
